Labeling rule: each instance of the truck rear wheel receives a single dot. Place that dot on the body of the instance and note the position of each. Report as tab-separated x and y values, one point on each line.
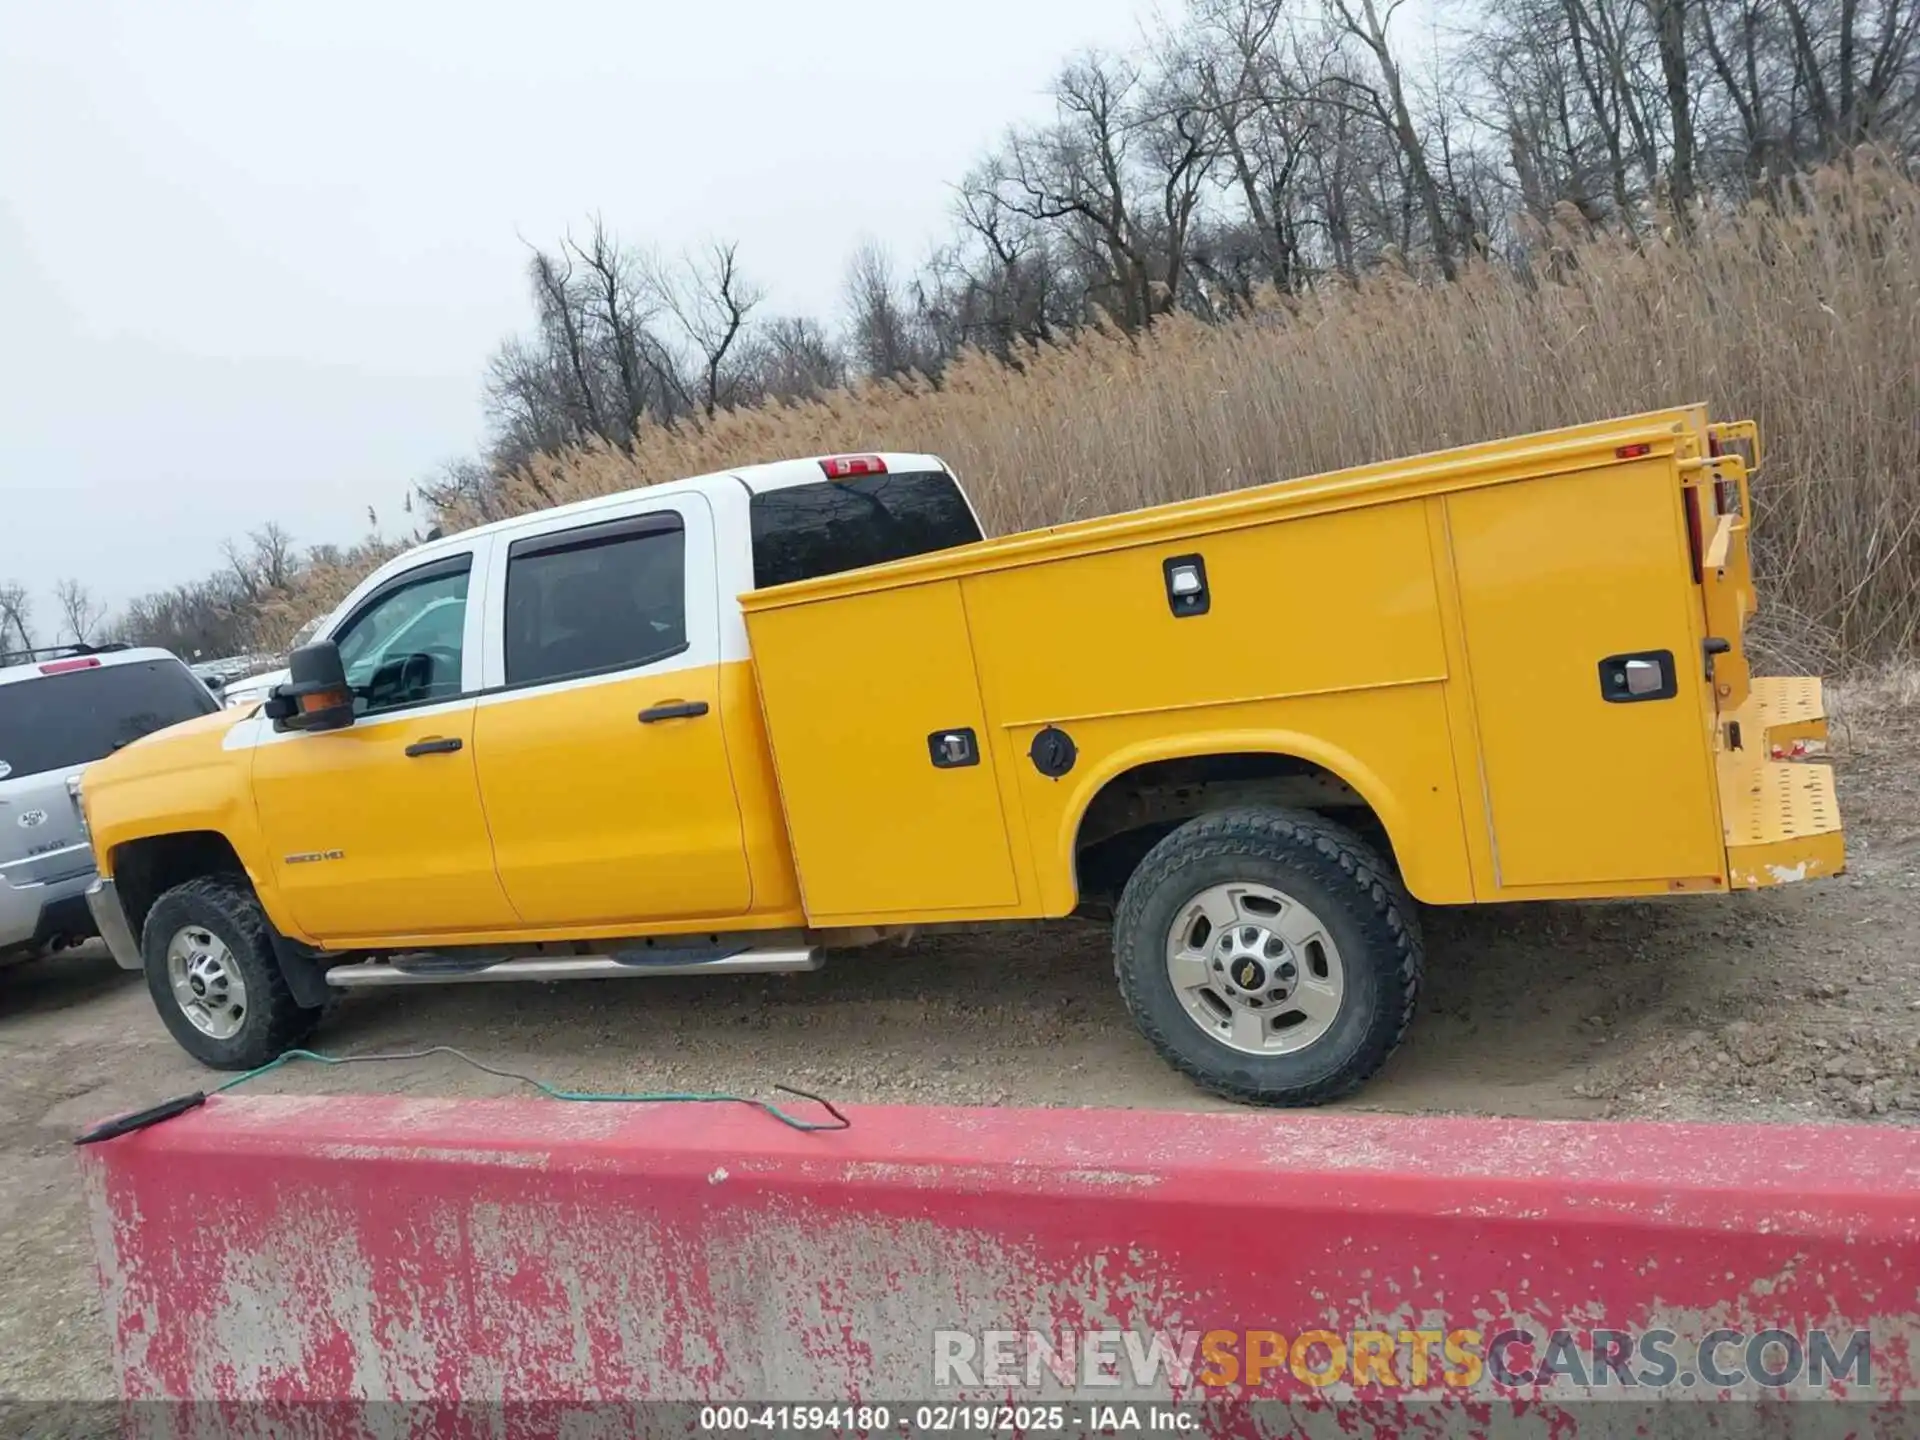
213	976
1269	955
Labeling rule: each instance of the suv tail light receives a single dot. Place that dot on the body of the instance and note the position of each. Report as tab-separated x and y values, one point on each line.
79	806
846	467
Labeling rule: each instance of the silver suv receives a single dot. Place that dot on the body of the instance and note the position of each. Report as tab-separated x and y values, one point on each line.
60	709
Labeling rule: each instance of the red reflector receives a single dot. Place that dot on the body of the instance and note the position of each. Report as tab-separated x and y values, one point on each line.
61	667
845	467
1633	452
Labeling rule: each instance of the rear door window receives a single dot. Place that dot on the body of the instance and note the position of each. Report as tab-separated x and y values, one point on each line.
805	531
596	600
58	721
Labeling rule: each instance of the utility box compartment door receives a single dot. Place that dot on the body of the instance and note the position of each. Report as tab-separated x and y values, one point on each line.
1557	575
880	742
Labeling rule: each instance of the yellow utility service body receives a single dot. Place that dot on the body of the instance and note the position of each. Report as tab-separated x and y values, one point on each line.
1429	631
1252	723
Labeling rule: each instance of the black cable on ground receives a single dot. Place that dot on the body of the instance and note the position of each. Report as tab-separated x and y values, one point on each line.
180	1104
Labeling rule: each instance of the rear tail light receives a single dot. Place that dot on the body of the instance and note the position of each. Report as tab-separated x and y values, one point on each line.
61	667
1633	452
79	806
846	467
1696	541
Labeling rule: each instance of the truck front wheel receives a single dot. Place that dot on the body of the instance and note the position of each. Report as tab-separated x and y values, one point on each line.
213	976
1269	956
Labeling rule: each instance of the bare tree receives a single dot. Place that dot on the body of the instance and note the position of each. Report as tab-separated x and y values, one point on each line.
880	325
1115	180
1003	282
792	358
16	615
1385	98
79	611
620	310
1800	82
1245	63
1248	143
710	300
566	332
266	563
1670	35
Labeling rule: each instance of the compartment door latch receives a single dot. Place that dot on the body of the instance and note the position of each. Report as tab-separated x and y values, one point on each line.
1645	675
952	749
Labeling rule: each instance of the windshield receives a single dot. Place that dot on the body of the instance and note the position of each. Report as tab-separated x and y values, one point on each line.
811	530
58	721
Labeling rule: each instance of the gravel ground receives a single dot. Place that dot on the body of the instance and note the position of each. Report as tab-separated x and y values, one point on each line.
1794	1004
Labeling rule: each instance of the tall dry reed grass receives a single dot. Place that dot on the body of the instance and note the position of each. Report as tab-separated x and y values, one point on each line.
1806	318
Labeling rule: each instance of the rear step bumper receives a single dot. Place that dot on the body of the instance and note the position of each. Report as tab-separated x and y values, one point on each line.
1782	818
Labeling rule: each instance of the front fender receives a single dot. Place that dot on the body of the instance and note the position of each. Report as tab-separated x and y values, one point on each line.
181	780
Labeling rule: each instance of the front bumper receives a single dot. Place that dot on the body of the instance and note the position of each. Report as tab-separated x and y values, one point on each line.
1782	818
32	915
111	918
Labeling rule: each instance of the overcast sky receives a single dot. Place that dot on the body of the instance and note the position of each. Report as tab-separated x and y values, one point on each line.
253	257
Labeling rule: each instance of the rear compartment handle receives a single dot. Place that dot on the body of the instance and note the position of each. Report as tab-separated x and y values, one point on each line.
1646	675
1711	646
673	710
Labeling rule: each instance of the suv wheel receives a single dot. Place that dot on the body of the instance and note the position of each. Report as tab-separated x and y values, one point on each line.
1269	956
214	978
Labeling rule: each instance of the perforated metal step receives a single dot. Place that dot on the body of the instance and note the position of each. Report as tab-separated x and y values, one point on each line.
1782	817
1781	709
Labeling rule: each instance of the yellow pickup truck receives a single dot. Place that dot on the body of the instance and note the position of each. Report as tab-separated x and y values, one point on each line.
724	724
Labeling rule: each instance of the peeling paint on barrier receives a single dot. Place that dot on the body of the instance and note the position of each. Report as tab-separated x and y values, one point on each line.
364	1251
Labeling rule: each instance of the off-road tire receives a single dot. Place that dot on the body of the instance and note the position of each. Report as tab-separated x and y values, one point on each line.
1366	910
225	904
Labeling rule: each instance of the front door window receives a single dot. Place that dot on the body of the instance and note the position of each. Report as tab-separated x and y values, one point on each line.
405	647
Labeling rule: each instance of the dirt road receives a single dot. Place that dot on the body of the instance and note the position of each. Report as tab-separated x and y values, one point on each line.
1801	1003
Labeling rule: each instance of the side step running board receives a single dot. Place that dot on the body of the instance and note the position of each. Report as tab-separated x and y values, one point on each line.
444	970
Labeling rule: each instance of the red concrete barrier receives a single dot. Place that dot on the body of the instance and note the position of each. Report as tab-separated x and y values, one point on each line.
504	1267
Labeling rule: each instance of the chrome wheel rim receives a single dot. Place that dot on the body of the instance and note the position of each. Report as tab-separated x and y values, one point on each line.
206	982
1255	969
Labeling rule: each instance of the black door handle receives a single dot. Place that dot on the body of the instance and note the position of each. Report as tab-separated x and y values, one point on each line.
674	710
434	747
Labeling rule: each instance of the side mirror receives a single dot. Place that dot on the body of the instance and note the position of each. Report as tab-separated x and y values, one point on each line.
316	695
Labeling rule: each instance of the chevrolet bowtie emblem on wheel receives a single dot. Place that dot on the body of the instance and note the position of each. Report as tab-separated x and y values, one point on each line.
1246	974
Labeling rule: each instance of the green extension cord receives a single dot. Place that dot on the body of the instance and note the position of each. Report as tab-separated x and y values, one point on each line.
180	1104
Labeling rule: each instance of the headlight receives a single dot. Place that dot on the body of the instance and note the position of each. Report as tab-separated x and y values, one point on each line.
79	807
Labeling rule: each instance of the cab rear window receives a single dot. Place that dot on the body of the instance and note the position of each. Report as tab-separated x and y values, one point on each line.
806	531
52	722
